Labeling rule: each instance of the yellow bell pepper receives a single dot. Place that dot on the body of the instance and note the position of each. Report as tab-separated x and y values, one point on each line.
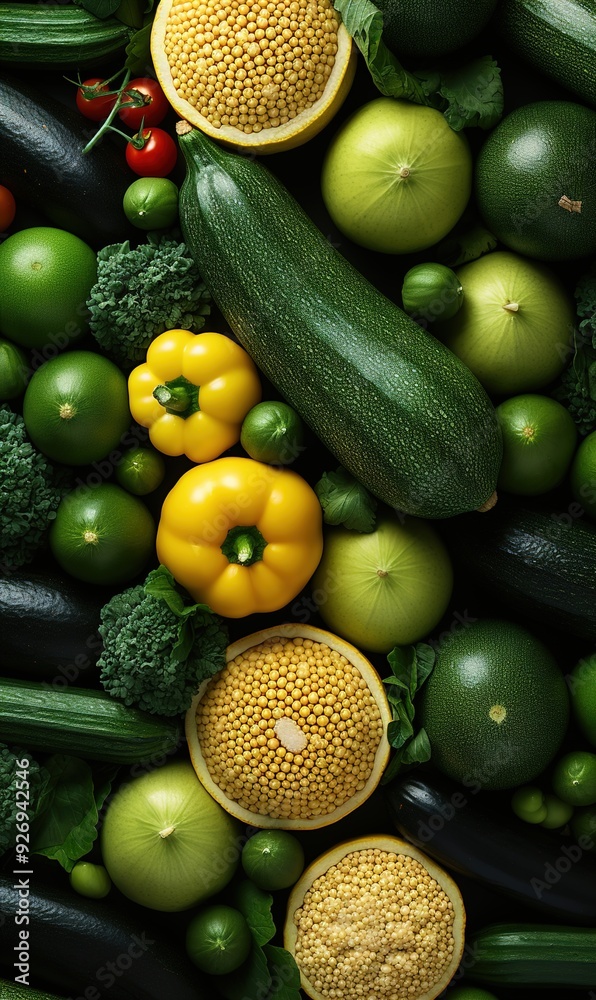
241	536
193	392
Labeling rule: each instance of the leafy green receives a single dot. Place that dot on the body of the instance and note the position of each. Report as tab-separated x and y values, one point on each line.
577	389
138	50
469	96
270	972
346	501
142	292
66	825
410	668
21	789
132	12
158	645
101	8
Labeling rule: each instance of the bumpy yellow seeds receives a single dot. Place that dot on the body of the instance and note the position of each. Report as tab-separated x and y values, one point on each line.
376	925
251	65
289	729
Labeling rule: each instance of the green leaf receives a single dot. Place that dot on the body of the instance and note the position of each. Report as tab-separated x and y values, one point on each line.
131	12
410	668
345	501
138	51
66	825
256	905
252	981
473	93
285	975
101	8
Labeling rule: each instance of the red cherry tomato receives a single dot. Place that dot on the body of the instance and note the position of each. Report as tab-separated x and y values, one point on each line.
156	158
8	208
90	102
152	111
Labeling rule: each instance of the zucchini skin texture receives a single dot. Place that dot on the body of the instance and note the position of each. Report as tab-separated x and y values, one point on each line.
540	563
49	623
43	165
534	955
34	36
557	39
387	399
83	722
73	939
445	820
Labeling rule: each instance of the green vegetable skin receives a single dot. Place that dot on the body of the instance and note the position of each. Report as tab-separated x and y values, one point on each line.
534	955
60	37
393	405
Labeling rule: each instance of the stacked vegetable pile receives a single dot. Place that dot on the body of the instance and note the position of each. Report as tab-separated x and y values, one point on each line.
297	500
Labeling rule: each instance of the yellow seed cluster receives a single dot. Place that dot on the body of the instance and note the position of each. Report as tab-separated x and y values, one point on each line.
376	925
251	65
289	729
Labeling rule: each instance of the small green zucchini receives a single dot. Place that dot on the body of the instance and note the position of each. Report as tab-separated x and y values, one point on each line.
83	722
41	36
534	955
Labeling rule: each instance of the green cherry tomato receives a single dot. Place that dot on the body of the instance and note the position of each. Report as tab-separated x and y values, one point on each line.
90	880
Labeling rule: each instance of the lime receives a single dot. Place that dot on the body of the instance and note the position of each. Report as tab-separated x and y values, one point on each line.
90	880
432	292
151	203
273	859
574	778
218	939
582	689
76	407
272	432
528	804
46	276
539	439
14	370
141	471
102	534
583	474
558	813
583	827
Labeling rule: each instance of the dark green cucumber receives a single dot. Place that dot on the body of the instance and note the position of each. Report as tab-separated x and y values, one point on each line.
48	623
83	722
534	955
394	406
41	36
559	39
43	165
9	990
84	948
539	561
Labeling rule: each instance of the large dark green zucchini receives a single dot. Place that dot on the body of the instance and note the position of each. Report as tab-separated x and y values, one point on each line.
474	837
557	38
548	956
393	405
42	163
83	722
540	562
77	943
48	624
41	36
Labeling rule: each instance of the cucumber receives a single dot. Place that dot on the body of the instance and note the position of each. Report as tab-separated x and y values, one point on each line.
534	955
43	165
454	824
394	406
83	722
16	991
41	36
559	39
84	949
538	561
49	624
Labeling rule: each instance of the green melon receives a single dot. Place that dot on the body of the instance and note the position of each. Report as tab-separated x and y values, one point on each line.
535	180
495	707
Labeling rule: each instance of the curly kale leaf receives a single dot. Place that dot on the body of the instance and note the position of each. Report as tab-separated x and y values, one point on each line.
577	389
30	491
22	781
158	647
141	293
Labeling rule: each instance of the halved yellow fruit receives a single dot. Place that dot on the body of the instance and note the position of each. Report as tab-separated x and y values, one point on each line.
292	733
376	917
254	75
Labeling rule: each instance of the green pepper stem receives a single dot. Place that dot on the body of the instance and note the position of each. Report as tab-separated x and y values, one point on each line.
244	544
244	548
176	399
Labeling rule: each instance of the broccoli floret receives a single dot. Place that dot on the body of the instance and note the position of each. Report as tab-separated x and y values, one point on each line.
30	491
143	292
157	646
20	789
